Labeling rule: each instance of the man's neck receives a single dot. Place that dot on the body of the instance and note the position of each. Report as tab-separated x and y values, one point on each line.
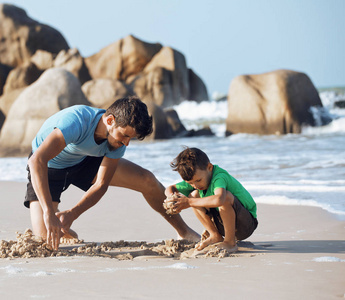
101	131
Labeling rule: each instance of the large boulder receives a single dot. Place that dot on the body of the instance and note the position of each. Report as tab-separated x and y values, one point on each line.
56	89
8	99
197	88
161	126
174	62
21	77
43	59
21	36
155	86
103	92
277	102
122	59
175	122
2	118
4	71
72	61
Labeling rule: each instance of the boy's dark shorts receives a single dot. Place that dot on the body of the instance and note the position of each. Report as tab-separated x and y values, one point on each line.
245	222
80	175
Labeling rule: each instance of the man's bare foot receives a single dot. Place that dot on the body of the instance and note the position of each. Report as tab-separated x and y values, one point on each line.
69	238
212	239
229	247
190	235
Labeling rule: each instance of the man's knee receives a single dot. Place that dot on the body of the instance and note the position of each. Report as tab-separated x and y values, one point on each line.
149	182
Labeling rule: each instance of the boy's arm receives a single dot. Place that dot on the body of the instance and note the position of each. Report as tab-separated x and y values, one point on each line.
216	200
170	190
92	195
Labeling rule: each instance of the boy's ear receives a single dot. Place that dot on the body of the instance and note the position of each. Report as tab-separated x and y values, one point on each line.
209	167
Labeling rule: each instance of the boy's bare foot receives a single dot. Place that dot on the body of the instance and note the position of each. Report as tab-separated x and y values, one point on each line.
204	235
190	235
212	239
227	246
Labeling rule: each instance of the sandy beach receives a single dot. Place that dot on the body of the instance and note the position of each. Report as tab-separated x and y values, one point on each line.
298	253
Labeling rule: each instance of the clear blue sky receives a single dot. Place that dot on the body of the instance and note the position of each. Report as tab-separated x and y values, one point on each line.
220	39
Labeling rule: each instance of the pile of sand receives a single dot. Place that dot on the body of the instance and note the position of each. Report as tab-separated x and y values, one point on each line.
28	245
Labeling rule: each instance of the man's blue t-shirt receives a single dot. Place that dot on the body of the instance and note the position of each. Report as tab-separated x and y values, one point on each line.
77	124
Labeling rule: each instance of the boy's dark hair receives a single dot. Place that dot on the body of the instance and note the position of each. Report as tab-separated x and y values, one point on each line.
188	161
131	111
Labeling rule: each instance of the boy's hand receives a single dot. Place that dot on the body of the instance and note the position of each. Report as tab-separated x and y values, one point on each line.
182	202
175	203
170	203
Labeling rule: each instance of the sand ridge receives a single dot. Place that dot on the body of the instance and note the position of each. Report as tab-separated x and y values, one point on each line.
28	245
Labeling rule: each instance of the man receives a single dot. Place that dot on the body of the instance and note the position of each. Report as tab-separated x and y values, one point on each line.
83	146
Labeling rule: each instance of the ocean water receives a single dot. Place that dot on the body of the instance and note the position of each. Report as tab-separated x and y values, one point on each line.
294	169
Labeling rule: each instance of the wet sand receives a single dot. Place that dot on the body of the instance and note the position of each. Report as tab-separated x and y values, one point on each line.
296	252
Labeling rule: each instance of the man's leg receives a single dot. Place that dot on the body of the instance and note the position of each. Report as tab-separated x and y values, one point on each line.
132	176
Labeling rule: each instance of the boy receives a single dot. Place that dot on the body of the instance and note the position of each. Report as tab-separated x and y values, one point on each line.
220	202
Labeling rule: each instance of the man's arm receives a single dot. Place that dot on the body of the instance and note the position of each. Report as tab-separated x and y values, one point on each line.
38	164
92	195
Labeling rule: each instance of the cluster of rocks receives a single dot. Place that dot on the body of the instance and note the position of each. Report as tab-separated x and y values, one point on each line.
40	75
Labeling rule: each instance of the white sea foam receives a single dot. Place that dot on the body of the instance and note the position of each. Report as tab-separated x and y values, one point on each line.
328	259
11	270
293	187
284	200
41	274
180	266
298	169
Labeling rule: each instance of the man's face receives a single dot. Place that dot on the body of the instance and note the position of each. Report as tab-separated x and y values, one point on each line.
119	136
202	178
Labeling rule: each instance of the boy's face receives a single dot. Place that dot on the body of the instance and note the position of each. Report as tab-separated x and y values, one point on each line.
202	178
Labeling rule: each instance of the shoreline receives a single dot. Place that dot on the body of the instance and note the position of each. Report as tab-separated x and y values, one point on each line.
303	255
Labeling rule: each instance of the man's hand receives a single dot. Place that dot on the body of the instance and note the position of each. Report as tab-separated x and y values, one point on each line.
66	218
53	226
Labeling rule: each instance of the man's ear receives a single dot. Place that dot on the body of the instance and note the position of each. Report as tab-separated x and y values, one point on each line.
110	120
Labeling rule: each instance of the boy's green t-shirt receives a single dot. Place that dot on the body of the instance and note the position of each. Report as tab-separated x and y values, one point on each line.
222	179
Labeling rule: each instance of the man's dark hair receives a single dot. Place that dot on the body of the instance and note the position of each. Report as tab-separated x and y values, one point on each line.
131	111
188	161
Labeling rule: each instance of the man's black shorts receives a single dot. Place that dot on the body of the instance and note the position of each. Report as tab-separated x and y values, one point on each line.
245	222
80	175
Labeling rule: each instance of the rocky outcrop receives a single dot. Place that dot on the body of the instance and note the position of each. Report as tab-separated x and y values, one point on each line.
277	102
156	74
56	89
2	118
197	88
21	37
122	59
8	99
161	126
73	62
21	77
4	71
43	59
103	92
36	67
